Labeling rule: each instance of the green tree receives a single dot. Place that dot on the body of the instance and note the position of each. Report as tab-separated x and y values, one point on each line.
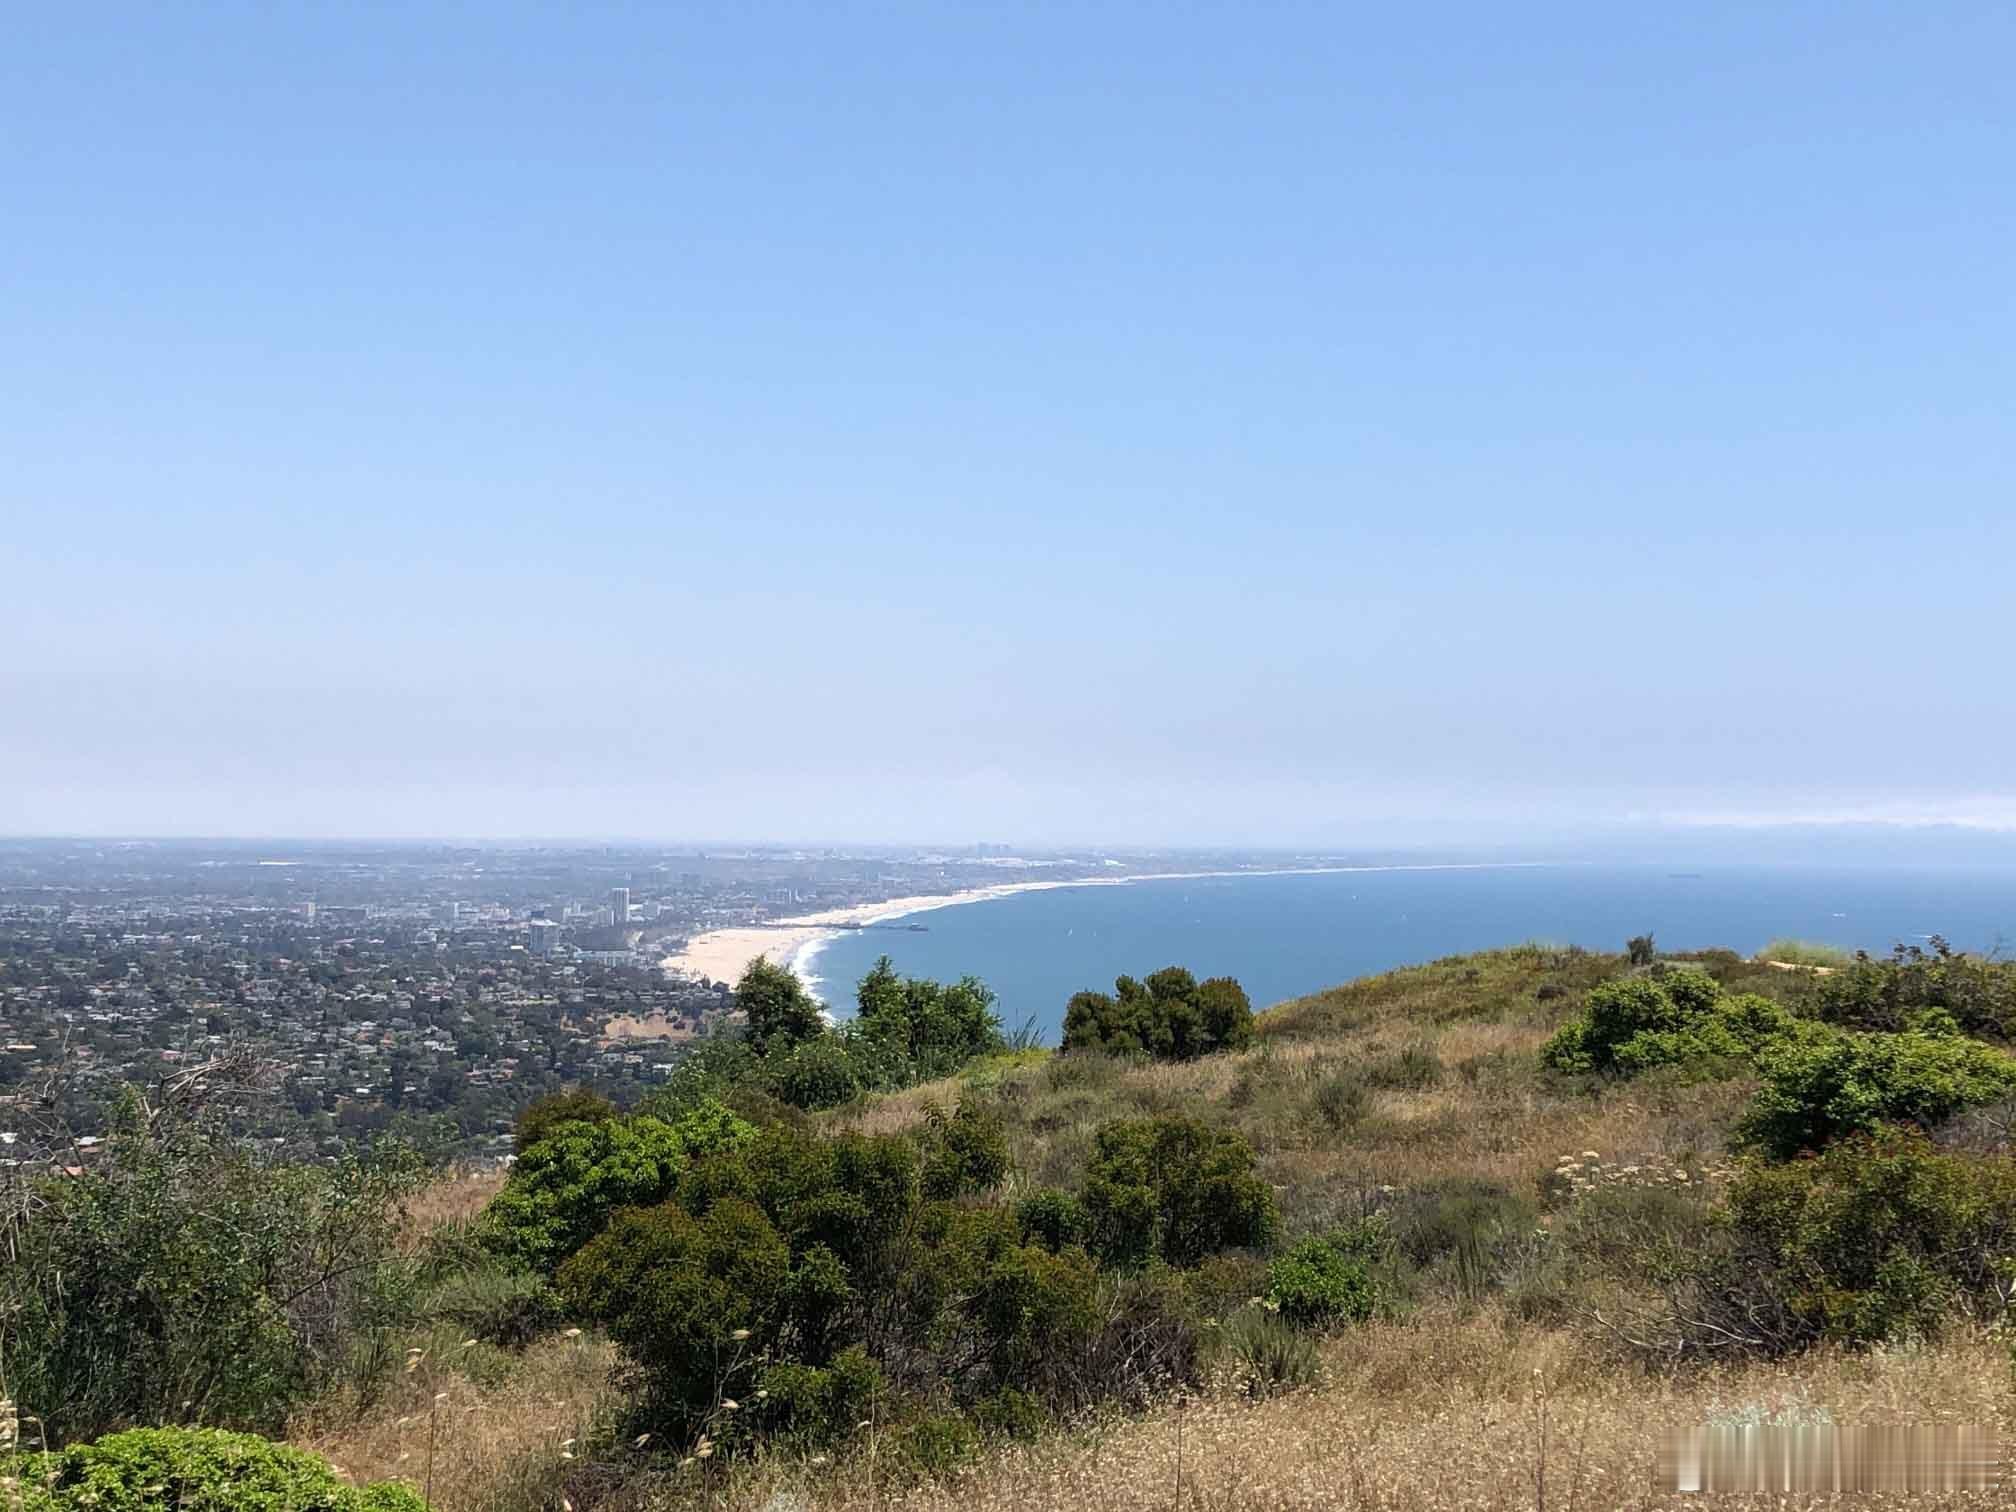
777	1006
934	1026
1170	1016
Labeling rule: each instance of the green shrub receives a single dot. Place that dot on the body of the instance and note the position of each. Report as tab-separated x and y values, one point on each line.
181	1276
817	1073
935	1444
1671	1016
1174	1188
1221	1285
935	1027
1820	1087
1877	1238
779	1010
813	1406
1038	1313
1052	1218
674	1291
149	1469
1978	994
497	1303
564	1189
1171	1016
1011	1414
965	1152
1328	1279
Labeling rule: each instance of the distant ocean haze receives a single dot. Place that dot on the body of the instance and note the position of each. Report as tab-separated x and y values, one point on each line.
1286	935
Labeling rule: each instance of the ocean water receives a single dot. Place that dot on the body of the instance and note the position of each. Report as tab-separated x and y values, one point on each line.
1283	936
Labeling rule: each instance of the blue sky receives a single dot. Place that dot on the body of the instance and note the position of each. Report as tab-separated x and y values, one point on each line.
1293	424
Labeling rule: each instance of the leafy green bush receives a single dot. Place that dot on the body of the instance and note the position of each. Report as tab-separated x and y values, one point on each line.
1038	1313
1221	1285
181	1275
936	1027
149	1469
491	1300
1053	1219
965	1151
813	1406
935	1444
1879	1237
1171	1016
1820	1087
1673	1016
1978	994
818	1073
1173	1188
1011	1414
675	1291
564	1189
1330	1278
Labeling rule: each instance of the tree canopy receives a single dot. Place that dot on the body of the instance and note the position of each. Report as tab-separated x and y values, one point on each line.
1171	1016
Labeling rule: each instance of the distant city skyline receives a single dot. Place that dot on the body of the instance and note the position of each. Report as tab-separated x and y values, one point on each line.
1303	426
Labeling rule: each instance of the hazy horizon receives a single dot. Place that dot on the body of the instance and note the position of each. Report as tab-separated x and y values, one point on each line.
1294	427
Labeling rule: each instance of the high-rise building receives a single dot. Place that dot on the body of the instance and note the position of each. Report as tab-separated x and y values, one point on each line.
619	906
543	935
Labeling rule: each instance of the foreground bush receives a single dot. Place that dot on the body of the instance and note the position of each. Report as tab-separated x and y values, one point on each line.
1881	1238
152	1469
181	1277
543	1115
1171	1016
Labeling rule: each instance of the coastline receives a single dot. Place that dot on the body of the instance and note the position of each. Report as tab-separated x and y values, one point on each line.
724	954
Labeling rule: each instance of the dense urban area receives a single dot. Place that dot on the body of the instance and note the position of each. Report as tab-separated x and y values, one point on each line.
424	991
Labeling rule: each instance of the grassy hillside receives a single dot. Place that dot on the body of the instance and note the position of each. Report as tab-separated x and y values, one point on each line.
1421	1076
1500	1367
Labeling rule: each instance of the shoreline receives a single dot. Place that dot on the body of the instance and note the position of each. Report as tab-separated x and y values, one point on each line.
722	955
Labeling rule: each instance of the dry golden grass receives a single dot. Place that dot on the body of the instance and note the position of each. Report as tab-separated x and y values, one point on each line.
1438	1414
456	1198
480	1446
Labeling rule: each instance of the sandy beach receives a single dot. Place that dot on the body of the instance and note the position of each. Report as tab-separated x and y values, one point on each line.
723	954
